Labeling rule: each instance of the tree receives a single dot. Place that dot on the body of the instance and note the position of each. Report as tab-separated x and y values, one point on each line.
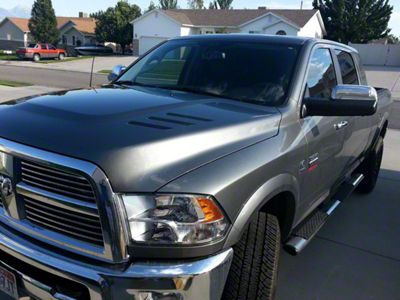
43	22
151	7
392	39
357	21
196	4
113	25
168	4
220	4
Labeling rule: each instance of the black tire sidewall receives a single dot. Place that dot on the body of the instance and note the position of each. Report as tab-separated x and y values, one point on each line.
254	270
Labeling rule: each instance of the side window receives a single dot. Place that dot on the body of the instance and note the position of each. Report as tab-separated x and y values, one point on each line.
43	46
321	78
347	67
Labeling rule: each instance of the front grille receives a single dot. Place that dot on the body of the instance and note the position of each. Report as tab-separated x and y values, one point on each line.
80	226
57	181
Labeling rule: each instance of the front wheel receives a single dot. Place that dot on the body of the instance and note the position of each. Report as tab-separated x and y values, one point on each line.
254	271
36	57
370	168
61	56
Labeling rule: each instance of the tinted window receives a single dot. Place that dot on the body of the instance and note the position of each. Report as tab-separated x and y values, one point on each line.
43	46
347	67
321	77
243	71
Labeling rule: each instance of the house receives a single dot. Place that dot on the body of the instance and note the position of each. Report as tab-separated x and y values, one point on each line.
14	32
159	25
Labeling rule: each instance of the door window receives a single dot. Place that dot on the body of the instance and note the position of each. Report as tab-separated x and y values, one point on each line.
43	46
321	77
347	67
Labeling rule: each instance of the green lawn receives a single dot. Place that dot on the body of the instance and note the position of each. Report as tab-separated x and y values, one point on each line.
105	71
11	83
8	57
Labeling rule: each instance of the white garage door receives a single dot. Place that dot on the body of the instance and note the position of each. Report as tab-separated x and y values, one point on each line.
147	42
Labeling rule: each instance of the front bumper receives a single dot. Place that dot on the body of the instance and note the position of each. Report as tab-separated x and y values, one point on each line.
41	273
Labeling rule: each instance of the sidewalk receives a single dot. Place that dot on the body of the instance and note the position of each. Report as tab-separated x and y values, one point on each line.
10	93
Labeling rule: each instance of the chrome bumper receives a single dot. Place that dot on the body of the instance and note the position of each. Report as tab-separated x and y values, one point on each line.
190	279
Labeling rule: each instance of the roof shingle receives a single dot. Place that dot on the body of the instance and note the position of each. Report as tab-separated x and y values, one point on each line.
235	17
84	25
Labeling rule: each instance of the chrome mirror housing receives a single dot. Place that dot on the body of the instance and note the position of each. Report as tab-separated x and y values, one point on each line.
116	72
354	92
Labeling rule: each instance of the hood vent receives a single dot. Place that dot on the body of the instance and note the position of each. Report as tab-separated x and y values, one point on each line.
170	121
164	123
149	125
184	116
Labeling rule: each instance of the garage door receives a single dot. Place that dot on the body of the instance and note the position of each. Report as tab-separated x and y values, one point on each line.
146	43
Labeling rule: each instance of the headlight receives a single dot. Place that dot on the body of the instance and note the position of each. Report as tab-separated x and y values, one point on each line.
174	219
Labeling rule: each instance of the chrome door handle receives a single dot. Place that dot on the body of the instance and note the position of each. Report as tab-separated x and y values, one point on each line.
340	125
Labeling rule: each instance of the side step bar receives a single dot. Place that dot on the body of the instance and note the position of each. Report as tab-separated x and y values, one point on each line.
304	233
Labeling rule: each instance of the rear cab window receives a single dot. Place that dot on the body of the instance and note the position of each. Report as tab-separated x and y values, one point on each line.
347	67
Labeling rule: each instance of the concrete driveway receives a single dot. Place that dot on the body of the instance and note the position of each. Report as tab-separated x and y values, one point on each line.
388	77
81	65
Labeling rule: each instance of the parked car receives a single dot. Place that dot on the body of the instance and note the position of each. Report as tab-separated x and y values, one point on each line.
182	177
39	51
92	50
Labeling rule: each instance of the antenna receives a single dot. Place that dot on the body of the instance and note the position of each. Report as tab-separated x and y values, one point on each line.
91	72
301	5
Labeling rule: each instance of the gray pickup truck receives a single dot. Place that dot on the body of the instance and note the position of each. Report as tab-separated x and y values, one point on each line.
182	178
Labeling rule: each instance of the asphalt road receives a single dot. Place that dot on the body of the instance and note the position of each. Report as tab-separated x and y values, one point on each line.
47	77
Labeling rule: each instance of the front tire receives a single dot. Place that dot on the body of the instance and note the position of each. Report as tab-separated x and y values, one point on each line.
370	168
36	57
254	271
61	56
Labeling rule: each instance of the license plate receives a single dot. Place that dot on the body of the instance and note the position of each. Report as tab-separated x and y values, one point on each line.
8	283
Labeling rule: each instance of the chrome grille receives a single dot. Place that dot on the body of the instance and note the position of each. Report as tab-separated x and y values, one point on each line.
57	181
80	226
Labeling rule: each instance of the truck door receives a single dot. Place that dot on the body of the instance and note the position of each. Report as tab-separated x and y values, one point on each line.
44	52
359	129
325	135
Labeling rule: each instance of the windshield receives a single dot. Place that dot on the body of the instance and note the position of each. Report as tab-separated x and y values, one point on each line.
253	72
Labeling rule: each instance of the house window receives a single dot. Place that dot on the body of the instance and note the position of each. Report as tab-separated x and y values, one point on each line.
64	39
73	40
281	32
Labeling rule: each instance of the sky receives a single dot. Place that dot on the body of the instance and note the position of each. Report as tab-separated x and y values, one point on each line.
73	7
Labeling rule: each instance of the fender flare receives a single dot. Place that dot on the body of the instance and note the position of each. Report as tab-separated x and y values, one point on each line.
276	185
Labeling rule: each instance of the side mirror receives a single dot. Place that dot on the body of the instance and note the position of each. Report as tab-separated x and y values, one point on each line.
116	72
346	100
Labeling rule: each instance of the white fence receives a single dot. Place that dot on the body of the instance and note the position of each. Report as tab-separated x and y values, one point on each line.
379	55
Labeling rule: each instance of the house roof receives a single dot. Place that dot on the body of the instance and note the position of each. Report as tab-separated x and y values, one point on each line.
84	25
236	17
20	23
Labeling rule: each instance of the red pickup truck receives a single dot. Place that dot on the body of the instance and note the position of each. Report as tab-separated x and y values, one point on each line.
38	51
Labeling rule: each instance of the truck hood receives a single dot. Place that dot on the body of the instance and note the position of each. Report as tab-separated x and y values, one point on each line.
142	138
